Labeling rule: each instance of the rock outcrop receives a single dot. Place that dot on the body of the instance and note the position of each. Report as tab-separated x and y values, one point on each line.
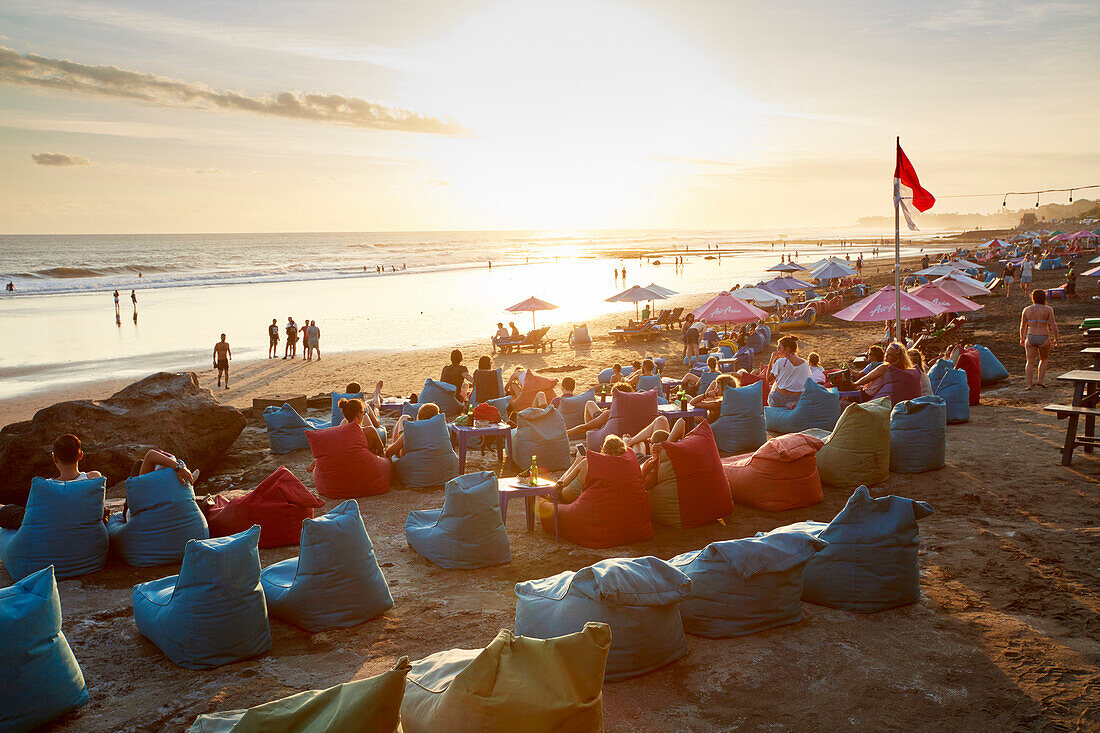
165	411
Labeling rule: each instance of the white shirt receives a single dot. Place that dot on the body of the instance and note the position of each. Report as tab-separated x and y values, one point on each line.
1025	267
789	377
817	374
925	385
502	333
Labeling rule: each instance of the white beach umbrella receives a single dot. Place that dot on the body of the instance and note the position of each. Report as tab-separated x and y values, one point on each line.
759	296
636	294
668	293
938	270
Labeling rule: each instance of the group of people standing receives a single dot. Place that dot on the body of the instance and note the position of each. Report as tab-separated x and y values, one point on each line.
309	333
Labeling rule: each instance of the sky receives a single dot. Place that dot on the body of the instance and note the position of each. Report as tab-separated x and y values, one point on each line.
403	115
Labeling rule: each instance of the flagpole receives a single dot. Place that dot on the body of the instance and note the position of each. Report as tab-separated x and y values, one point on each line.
897	254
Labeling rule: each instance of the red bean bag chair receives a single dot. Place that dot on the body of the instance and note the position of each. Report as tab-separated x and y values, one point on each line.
279	505
780	475
346	468
532	385
970	361
748	379
613	508
691	488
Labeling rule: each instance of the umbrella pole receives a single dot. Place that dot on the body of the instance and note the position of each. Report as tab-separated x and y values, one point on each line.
897	256
533	319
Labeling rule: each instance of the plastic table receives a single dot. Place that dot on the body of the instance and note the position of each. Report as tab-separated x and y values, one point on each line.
514	489
463	433
672	411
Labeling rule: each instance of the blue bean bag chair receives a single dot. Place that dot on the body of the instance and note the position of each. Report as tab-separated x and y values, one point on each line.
604	377
918	435
740	424
213	612
337	415
726	351
743	586
950	384
335	582
818	407
286	429
443	394
767	330
429	459
743	359
651	381
41	677
63	527
637	597
756	342
992	368
541	432
500	388
871	561
572	408
161	517
468	532
502	405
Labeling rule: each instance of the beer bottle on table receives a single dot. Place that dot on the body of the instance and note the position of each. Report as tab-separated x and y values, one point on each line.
534	471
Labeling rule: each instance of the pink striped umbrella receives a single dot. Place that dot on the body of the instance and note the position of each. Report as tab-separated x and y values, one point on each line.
724	308
947	300
1083	234
880	307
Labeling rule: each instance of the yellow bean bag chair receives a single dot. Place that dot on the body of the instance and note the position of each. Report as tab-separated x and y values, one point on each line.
857	452
517	683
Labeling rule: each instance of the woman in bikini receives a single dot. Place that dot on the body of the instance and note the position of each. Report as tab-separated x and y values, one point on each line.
1038	333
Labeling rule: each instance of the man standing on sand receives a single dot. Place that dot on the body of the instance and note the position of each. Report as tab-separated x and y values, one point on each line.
133	297
116	302
291	338
273	339
314	335
305	339
222	355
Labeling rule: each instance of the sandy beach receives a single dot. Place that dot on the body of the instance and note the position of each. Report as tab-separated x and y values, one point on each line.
1004	636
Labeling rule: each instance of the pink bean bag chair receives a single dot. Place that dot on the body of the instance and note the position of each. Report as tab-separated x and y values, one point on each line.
346	469
613	508
780	475
532	385
691	488
630	412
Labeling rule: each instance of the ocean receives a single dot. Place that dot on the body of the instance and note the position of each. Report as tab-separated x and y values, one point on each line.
437	289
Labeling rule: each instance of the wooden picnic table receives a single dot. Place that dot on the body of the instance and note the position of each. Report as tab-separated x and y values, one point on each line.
1086	394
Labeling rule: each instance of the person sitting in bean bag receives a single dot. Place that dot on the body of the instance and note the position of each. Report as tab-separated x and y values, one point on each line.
595	417
396	448
66	457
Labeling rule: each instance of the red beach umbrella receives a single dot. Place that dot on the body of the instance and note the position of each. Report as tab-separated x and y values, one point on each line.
950	302
880	307
725	308
532	304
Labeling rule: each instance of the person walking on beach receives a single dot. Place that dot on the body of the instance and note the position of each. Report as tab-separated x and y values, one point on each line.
304	337
116	303
1025	274
222	355
314	334
291	339
1038	335
1007	275
273	339
133	297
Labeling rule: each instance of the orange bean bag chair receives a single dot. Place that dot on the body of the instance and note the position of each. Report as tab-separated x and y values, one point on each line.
612	510
532	385
346	468
780	475
691	488
279	505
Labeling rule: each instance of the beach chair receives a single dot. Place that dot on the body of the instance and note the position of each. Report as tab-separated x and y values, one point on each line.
536	341
676	317
645	332
663	318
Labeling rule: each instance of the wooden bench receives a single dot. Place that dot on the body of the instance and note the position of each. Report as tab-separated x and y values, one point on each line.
1094	352
1072	438
1093	335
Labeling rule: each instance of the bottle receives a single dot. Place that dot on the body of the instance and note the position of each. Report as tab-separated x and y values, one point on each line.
469	416
534	471
683	400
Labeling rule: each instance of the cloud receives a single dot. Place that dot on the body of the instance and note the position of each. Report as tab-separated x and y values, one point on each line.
110	81
58	160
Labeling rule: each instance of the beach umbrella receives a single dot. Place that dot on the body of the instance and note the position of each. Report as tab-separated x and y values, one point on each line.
962	285
833	270
785	267
532	304
1057	231
663	291
1083	234
726	308
786	284
938	270
760	296
1044	232
825	261
995	243
1062	238
635	295
1018	238
880	306
950	302
965	265
1091	273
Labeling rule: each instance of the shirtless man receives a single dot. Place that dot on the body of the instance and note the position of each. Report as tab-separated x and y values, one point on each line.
222	355
291	338
306	350
314	335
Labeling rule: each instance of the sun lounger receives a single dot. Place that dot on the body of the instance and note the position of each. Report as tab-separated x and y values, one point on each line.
535	340
663	318
645	332
677	317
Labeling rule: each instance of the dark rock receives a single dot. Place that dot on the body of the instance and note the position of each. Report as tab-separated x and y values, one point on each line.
165	411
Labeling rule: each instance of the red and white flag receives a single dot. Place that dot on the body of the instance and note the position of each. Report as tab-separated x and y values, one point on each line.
907	188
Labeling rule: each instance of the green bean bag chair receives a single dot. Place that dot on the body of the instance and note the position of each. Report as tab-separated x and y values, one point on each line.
857	451
517	683
373	704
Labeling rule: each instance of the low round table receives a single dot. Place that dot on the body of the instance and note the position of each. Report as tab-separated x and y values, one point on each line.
513	488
